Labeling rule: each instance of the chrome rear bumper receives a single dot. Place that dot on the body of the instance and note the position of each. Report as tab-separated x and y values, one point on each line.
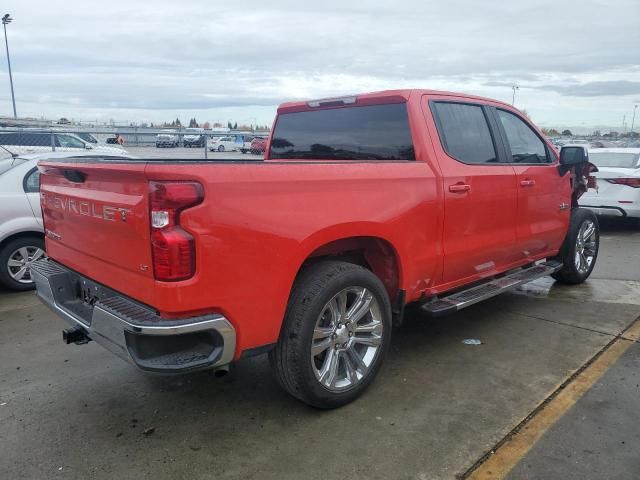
131	330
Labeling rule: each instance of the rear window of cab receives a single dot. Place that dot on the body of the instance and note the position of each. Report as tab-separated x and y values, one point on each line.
372	132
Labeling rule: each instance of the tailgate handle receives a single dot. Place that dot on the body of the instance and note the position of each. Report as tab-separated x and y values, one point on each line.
75	176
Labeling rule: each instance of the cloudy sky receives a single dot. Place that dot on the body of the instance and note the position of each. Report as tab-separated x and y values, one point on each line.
576	62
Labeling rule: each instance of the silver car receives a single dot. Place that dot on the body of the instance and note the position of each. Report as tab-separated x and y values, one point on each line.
21	229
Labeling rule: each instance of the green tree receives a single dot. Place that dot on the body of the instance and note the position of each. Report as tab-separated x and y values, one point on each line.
567	133
235	126
229	126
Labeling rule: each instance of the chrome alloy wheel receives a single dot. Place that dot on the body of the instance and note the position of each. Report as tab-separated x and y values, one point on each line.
586	247
20	260
346	338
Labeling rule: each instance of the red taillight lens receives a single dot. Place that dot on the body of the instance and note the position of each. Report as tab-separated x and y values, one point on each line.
629	182
173	249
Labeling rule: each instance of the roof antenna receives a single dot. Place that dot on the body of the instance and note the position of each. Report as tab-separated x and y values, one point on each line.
13	155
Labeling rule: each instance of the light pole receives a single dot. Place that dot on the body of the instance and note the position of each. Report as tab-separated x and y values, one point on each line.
513	99
633	119
6	20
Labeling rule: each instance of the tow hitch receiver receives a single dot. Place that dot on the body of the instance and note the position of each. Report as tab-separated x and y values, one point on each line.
75	335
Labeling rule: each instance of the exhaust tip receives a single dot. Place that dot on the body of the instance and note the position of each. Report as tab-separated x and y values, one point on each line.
221	371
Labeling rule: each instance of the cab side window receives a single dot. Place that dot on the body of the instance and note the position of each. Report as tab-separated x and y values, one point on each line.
464	132
526	146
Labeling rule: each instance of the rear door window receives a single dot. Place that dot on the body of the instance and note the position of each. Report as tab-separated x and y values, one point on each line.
372	132
464	132
526	146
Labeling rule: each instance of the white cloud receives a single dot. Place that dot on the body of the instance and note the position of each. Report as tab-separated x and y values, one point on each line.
155	60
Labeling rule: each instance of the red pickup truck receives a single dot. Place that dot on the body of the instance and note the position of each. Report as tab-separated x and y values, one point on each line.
362	205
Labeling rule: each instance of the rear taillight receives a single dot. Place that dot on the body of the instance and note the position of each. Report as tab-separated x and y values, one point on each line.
173	249
629	182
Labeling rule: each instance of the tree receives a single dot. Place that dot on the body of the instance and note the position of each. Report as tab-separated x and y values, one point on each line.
229	126
567	133
64	121
551	132
177	123
235	126
526	114
193	123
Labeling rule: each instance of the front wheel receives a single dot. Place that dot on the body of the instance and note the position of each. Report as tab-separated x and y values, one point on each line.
336	332
580	249
221	148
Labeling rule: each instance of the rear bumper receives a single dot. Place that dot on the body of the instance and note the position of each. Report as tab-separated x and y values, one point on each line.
133	331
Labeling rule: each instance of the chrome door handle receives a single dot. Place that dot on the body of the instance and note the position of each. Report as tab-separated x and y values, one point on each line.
527	183
459	188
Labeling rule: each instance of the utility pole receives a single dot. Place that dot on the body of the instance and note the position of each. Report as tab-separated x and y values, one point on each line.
633	119
513	99
6	20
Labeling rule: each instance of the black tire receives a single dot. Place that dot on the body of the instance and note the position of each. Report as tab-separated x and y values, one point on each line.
570	273
221	148
291	358
5	254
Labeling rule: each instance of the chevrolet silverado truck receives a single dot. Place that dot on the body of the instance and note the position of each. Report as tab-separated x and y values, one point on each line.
361	206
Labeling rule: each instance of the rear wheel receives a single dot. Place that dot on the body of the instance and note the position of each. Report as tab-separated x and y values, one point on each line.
15	262
221	148
580	249
335	334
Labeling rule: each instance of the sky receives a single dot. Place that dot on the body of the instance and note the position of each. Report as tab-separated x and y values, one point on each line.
575	62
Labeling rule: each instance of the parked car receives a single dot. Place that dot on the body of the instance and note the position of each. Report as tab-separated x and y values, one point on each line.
243	143
362	205
33	142
223	144
618	192
167	138
87	137
21	229
258	146
194	137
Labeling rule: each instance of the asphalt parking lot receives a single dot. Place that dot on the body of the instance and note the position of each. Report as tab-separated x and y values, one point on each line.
439	409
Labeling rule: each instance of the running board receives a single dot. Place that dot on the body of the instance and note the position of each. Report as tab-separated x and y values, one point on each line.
457	301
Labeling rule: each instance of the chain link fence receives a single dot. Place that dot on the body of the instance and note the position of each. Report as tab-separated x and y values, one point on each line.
193	143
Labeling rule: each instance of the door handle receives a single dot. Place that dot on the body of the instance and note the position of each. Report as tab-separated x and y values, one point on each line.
459	188
527	183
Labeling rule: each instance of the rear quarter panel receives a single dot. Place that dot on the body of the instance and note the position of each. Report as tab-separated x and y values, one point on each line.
260	221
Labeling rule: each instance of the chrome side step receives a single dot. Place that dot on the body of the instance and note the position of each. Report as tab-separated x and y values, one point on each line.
457	301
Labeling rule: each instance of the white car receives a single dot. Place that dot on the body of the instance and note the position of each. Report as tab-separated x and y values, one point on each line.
167	138
21	229
193	137
223	144
26	141
618	192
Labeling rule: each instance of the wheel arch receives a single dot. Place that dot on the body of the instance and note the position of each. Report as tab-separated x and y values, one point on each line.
372	250
22	234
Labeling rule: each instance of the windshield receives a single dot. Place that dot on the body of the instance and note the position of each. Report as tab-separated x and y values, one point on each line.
615	160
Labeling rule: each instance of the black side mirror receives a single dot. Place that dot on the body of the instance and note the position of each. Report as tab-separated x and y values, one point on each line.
572	156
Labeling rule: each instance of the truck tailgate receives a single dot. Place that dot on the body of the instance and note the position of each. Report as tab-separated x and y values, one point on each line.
96	218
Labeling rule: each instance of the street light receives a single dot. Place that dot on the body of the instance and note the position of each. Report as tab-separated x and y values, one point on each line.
633	119
6	20
513	99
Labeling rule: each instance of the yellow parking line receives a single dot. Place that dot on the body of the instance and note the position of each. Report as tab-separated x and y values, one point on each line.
513	450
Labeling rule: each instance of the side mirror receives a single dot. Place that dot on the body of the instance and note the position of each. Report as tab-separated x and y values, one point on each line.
572	156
